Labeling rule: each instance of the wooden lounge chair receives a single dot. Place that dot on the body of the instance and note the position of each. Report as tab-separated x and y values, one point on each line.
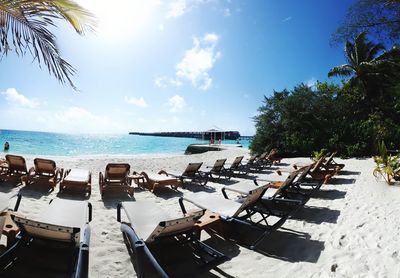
60	234
241	210
151	181
44	170
116	179
15	169
237	168
77	179
330	164
218	170
191	173
149	223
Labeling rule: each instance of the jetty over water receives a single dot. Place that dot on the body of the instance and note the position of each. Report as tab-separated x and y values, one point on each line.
204	135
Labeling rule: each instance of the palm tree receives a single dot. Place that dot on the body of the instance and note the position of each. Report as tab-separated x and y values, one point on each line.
369	65
24	25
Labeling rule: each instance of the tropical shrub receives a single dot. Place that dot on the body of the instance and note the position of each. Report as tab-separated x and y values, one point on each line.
387	166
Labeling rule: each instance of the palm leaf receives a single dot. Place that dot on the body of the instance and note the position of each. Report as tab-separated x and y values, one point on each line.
27	22
343	70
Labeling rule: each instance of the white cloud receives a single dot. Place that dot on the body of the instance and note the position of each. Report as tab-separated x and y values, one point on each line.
311	82
227	12
161	27
287	19
79	120
198	61
136	101
176	8
177	103
163	82
13	97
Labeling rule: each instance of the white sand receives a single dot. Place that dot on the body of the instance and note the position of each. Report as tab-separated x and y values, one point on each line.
353	226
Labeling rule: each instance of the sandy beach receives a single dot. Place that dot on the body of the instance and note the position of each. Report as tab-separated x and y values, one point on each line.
350	228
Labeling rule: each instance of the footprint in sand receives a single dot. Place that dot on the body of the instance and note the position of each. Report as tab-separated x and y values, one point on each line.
342	240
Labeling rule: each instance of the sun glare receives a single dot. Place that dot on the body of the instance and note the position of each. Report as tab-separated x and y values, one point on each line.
121	18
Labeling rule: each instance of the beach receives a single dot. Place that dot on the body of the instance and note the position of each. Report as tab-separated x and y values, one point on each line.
350	228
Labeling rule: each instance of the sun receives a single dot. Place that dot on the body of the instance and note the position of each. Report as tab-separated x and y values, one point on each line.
121	18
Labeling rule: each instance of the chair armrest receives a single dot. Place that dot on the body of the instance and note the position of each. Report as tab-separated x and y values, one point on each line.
163	172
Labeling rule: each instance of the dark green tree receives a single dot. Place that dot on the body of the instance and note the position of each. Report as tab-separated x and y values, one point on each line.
380	18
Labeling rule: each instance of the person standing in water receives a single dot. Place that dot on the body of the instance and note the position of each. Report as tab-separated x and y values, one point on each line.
6	146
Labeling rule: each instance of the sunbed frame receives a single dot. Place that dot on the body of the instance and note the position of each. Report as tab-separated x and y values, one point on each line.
183	229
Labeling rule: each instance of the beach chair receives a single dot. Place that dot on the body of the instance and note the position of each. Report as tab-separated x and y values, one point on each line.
330	164
252	164
44	170
7	226
53	244
237	168
242	210
218	170
149	223
116	179
151	180
191	173
77	179
14	169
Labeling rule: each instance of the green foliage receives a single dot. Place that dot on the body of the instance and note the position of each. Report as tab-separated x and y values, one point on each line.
379	17
387	166
350	118
316	155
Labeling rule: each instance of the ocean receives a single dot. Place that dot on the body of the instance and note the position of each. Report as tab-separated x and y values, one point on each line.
61	144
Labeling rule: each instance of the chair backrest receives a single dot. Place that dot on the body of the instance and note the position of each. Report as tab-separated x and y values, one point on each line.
252	197
304	172
48	231
175	226
263	156
16	163
252	159
236	163
117	171
318	164
218	165
192	169
330	158
288	182
45	167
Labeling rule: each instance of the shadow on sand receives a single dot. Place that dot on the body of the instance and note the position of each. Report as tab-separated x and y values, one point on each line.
331	194
335	180
111	201
169	252
316	215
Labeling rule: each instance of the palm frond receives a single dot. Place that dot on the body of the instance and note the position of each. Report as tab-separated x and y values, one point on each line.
27	22
342	70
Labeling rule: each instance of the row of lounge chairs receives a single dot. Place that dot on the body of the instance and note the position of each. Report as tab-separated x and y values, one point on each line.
63	228
117	176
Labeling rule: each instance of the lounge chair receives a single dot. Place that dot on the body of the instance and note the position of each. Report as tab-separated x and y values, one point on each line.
191	173
77	179
237	168
54	244
116	179
7	226
241	210
149	223
330	164
218	170
151	180
15	168
44	170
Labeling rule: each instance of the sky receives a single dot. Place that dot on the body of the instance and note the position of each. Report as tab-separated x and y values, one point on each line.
180	65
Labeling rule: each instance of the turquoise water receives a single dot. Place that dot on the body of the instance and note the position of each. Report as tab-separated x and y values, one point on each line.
59	144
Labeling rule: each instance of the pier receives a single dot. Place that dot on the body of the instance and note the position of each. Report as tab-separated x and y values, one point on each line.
204	135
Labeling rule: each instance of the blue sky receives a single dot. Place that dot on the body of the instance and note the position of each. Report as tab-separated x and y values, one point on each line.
173	65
